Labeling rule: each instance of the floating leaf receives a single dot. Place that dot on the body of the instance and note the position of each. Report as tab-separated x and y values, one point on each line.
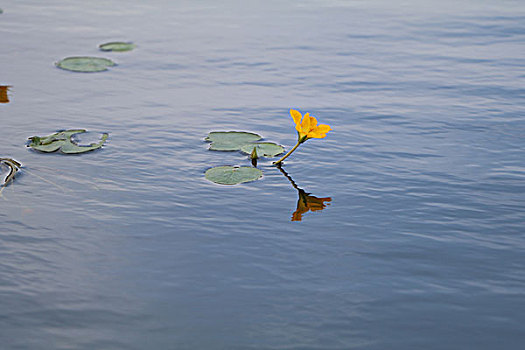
263	149
71	148
230	140
85	64
13	165
61	135
229	175
1	11
62	140
117	46
54	141
47	148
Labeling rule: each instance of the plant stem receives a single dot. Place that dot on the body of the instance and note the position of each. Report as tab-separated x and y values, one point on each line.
278	163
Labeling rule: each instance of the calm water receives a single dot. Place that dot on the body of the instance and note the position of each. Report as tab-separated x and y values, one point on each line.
130	247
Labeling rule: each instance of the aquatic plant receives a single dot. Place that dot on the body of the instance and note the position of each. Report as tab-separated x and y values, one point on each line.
117	46
307	128
63	140
232	175
246	143
262	149
230	140
85	64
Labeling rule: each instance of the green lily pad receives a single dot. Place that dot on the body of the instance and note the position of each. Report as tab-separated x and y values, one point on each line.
61	135
263	149
85	64
230	140
71	148
117	46
229	175
62	140
1	11
47	148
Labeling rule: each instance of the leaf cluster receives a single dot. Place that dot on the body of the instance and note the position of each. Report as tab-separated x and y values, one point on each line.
63	141
245	142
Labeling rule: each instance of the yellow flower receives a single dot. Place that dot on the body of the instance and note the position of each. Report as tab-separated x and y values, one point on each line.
307	127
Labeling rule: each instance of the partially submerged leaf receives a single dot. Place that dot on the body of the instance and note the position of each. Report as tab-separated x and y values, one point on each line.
85	64
63	140
13	166
47	148
229	175
117	46
61	135
263	149
230	140
71	148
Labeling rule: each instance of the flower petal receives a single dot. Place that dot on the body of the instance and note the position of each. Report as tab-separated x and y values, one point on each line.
323	128
315	135
296	116
305	124
313	123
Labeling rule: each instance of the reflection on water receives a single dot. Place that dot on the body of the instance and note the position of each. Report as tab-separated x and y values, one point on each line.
4	98
306	202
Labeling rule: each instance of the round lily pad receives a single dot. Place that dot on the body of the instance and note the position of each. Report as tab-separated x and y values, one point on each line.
117	46
263	149
229	175
230	140
85	64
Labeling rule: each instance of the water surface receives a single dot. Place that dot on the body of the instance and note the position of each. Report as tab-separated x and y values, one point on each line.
422	243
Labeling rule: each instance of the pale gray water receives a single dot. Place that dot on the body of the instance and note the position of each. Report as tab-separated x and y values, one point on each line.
421	247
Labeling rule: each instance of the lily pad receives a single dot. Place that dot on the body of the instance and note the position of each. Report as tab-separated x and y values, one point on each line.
85	64
61	135
71	148
1	11
117	46
263	149
229	175
62	140
230	140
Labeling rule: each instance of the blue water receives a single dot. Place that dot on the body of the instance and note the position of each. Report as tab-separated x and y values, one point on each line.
130	247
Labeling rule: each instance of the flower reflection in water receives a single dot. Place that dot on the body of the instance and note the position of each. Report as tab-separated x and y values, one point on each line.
306	201
4	98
